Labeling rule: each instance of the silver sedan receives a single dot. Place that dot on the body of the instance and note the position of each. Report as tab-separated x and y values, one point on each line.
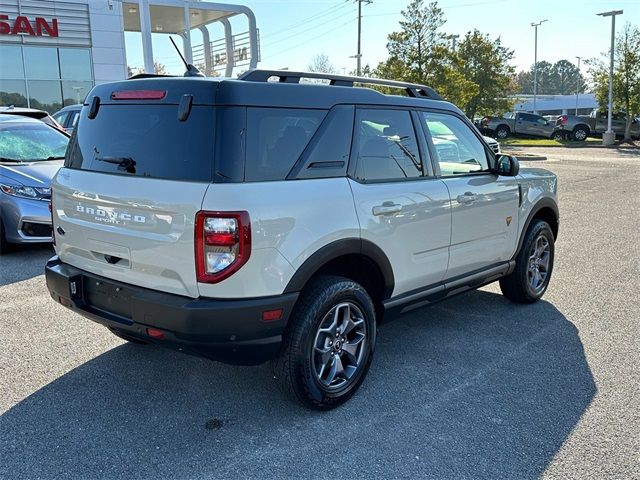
31	152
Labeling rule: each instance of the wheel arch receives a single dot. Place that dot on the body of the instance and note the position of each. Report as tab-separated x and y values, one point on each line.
358	259
545	209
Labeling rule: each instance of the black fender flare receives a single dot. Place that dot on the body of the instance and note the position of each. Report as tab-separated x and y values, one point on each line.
338	248
539	205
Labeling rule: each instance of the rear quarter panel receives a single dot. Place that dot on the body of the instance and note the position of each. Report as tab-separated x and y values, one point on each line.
290	220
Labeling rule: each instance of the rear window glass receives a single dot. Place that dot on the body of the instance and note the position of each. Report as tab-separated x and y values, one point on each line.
146	141
276	138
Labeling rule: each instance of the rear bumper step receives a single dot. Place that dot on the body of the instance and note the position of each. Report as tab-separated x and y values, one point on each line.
227	330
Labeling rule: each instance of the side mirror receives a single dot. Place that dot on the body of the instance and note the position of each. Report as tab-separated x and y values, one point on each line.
507	166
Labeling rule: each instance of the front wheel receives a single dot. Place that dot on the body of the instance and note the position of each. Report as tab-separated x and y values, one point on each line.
557	136
534	264
328	345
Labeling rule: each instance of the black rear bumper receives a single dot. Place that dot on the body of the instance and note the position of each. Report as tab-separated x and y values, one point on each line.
230	331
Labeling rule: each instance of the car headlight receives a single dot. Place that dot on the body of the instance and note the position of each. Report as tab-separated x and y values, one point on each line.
24	191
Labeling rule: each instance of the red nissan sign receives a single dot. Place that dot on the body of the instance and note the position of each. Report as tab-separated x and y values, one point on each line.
23	26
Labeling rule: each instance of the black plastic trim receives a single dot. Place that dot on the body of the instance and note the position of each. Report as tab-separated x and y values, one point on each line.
333	250
447	288
228	330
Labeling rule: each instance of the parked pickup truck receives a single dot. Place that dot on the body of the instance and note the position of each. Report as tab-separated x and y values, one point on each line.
579	127
517	123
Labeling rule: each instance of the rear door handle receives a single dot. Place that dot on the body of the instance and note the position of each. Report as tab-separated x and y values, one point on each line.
387	208
468	197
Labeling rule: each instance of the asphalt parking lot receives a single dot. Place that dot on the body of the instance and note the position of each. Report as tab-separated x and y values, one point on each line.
475	387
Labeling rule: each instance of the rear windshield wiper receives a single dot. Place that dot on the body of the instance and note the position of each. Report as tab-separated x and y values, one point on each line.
126	163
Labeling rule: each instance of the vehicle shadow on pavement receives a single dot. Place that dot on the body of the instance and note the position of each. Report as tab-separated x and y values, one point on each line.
473	387
25	262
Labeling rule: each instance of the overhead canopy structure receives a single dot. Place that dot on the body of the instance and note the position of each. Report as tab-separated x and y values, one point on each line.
180	17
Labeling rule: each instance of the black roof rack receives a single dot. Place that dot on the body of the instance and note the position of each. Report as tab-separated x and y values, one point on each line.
286	76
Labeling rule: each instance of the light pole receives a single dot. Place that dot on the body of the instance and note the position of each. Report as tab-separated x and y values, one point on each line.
359	54
454	40
535	63
609	137
578	84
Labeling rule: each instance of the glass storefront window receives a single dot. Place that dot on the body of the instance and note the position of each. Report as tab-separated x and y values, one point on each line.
45	95
75	92
75	63
13	92
11	62
55	77
41	63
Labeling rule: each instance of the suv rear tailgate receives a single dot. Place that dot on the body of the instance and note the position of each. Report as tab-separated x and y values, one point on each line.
136	172
128	229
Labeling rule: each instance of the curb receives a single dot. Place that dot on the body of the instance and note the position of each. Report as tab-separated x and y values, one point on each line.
612	147
530	158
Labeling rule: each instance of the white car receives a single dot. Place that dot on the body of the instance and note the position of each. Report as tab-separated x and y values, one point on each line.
250	220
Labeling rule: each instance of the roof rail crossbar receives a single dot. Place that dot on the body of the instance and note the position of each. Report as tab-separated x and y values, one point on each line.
286	76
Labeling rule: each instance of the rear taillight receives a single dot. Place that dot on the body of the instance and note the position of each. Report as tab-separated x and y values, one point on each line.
485	121
223	244
563	119
53	231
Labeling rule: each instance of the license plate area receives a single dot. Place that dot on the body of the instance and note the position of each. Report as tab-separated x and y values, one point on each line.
107	297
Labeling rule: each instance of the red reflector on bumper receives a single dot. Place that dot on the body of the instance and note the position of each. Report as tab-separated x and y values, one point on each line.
155	333
271	315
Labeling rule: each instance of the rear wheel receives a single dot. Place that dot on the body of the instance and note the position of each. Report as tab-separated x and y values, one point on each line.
328	345
557	136
580	133
502	132
534	264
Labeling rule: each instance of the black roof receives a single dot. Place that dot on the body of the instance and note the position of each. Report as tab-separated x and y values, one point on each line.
249	92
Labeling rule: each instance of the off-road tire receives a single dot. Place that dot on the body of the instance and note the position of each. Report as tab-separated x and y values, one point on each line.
516	286
294	368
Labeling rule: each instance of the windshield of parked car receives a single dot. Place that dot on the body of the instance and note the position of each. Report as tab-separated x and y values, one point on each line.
31	142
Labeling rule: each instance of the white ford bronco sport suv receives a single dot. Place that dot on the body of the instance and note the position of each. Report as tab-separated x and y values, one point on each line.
250	220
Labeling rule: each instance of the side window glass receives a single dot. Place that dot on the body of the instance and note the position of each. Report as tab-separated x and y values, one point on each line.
276	137
61	117
74	119
387	148
328	152
457	149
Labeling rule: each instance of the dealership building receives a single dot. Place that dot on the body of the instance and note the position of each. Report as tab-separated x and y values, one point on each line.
53	52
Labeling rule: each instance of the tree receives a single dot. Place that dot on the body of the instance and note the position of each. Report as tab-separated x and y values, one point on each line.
321	64
159	68
560	78
485	63
419	54
420	33
476	77
626	76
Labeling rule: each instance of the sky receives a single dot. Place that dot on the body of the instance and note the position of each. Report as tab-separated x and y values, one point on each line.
292	32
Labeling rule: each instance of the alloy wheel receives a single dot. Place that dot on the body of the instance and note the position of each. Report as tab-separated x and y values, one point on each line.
539	260
339	346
